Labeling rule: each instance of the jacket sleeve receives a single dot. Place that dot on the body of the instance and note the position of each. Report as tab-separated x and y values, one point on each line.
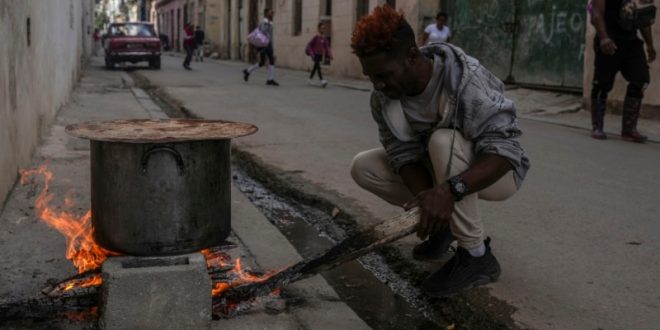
489	120
398	153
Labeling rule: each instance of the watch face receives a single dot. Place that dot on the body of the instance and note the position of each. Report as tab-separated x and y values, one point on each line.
460	187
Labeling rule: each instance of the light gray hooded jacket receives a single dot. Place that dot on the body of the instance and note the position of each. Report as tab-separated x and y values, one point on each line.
475	107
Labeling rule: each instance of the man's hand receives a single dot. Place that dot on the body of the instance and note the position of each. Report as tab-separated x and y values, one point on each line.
607	46
436	206
650	52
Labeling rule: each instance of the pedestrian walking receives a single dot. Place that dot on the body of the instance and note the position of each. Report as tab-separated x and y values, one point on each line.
617	48
438	31
317	48
199	42
97	42
188	45
266	27
449	138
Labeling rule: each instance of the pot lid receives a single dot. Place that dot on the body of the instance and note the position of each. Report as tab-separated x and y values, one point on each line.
160	131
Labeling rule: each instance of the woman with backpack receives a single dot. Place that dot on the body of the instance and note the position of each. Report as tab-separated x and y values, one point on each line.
265	28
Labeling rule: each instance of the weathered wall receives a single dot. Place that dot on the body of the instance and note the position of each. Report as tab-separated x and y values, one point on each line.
36	79
651	98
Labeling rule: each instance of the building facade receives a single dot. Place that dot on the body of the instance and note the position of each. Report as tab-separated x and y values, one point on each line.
228	22
170	17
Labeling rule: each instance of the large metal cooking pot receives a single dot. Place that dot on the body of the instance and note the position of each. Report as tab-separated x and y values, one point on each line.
160	187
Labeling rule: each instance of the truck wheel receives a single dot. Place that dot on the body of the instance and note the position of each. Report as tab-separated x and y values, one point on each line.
154	63
108	64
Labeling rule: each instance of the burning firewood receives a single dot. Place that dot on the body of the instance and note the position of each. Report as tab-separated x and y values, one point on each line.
39	308
351	248
82	280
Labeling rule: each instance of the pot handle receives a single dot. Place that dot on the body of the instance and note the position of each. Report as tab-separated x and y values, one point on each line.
172	151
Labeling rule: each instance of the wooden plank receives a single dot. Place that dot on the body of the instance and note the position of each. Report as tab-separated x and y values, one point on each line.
351	248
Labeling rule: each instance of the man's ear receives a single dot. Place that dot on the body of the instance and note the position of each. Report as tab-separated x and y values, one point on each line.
413	54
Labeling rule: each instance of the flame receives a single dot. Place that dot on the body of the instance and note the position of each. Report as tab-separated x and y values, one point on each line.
240	276
95	280
83	252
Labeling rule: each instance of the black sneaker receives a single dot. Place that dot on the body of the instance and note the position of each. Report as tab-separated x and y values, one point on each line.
434	247
246	75
272	83
462	272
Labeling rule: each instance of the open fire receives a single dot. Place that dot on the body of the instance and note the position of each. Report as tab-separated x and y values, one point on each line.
83	252
88	256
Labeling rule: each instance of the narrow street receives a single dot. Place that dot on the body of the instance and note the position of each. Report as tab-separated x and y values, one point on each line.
153	177
577	243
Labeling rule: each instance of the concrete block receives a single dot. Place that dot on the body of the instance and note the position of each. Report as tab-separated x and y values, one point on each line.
259	321
156	293
329	315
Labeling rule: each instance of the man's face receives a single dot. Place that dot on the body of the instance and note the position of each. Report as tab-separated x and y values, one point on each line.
441	21
269	14
389	75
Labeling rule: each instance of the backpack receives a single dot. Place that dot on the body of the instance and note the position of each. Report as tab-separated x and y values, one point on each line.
637	14
258	39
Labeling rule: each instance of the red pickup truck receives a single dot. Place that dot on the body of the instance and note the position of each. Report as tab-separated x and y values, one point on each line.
132	42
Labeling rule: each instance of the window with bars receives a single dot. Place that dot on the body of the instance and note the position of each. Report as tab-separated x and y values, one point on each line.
327	8
297	17
362	9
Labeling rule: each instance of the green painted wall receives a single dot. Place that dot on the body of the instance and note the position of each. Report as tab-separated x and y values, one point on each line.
539	42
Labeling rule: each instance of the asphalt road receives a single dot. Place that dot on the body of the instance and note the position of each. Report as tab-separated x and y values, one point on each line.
578	244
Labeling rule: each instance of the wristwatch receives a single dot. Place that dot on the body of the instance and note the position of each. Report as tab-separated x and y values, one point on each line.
458	187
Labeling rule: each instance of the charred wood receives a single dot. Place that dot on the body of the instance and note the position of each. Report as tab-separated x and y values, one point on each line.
351	248
46	307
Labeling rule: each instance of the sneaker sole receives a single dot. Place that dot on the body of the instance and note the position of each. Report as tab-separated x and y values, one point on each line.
629	139
481	280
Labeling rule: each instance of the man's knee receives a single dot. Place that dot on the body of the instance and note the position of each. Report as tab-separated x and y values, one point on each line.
441	139
447	147
636	89
598	93
359	168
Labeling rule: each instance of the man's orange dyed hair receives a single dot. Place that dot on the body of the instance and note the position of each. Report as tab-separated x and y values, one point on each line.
382	30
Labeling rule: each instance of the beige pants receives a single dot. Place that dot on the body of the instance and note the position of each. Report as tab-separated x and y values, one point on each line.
371	171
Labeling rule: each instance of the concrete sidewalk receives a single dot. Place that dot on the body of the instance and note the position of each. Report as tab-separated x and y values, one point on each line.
34	252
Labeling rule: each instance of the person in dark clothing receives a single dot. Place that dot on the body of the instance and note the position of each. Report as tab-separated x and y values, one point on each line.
188	45
199	41
618	48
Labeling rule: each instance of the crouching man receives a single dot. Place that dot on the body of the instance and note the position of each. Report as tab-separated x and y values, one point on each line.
449	138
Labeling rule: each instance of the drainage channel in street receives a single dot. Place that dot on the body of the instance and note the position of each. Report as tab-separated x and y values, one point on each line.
359	283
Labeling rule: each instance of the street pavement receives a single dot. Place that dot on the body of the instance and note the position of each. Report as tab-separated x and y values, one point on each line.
578	244
33	253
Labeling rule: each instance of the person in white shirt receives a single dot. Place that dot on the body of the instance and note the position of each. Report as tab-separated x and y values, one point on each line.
438	31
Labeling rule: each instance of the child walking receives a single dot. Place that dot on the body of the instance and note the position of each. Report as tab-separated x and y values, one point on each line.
317	48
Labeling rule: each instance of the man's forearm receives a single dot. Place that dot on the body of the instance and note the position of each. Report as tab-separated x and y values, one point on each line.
486	170
598	19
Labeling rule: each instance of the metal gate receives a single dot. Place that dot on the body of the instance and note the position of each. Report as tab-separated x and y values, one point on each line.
529	42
